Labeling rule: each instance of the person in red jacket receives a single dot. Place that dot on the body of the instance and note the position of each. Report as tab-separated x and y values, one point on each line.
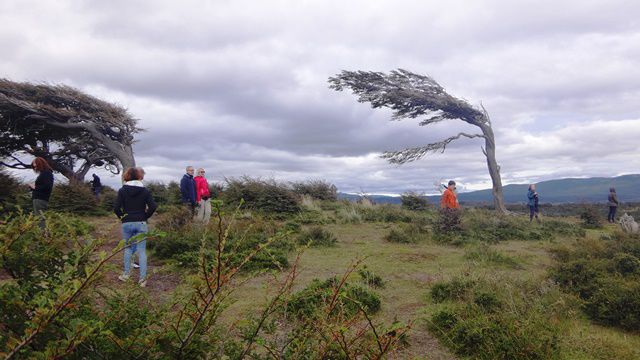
449	199
203	197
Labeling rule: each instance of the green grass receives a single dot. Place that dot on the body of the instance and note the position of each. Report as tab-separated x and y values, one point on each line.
410	269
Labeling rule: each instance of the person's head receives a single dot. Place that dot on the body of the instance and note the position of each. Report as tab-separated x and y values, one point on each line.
141	173
532	187
452	185
132	174
200	172
40	164
189	170
611	189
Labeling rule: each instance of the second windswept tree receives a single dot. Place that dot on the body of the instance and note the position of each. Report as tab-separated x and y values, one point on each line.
412	96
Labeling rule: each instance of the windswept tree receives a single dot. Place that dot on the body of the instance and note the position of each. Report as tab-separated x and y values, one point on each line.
412	96
73	131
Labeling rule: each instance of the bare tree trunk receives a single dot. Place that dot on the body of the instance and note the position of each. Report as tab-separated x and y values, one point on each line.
494	169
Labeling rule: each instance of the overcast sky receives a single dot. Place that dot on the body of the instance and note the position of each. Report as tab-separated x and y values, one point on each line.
240	87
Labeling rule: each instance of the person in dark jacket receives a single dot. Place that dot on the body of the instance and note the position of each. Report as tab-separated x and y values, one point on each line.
134	206
188	189
96	186
532	195
613	205
42	188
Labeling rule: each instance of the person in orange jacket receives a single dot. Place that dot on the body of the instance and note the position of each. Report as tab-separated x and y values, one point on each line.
449	199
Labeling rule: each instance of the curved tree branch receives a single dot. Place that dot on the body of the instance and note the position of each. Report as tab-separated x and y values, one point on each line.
416	153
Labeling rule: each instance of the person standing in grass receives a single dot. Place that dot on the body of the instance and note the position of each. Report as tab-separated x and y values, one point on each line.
96	186
613	205
203	197
533	197
41	189
188	189
449	199
134	206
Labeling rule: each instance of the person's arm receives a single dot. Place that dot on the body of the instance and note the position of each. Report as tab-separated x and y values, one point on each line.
117	206
183	189
615	199
151	205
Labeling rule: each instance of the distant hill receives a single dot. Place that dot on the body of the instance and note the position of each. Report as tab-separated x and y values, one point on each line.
552	191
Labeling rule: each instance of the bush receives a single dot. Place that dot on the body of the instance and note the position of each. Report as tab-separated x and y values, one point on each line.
370	278
265	195
317	189
318	237
384	213
414	201
484	253
455	289
348	214
174	218
605	275
448	222
74	199
494	321
12	193
590	218
407	234
306	303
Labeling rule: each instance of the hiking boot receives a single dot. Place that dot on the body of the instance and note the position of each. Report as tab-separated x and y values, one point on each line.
136	266
123	277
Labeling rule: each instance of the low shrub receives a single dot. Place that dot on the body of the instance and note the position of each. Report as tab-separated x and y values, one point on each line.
414	201
174	218
384	213
317	237
12	193
505	320
484	253
590	217
268	196
370	278
407	233
605	275
74	199
306	303
316	189
348	214
456	289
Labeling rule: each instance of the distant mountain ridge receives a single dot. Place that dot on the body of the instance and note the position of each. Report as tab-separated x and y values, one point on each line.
570	190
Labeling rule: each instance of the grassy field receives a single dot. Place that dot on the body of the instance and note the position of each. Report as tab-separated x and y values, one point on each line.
409	270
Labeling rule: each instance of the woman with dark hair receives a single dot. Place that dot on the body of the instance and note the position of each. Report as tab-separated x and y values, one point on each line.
41	189
134	206
532	195
613	205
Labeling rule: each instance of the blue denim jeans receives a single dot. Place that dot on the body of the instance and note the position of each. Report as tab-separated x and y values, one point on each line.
129	230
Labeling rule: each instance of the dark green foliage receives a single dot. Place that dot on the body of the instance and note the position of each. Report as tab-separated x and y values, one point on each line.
370	278
626	264
485	321
306	303
414	201
604	274
448	222
174	218
384	213
616	303
590	217
317	189
74	199
455	289
182	242
317	237
11	193
164	194
268	196
108	198
490	227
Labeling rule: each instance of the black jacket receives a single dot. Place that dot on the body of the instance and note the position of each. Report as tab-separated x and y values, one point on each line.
43	186
134	203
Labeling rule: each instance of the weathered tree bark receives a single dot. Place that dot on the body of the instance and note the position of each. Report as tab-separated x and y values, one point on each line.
489	151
